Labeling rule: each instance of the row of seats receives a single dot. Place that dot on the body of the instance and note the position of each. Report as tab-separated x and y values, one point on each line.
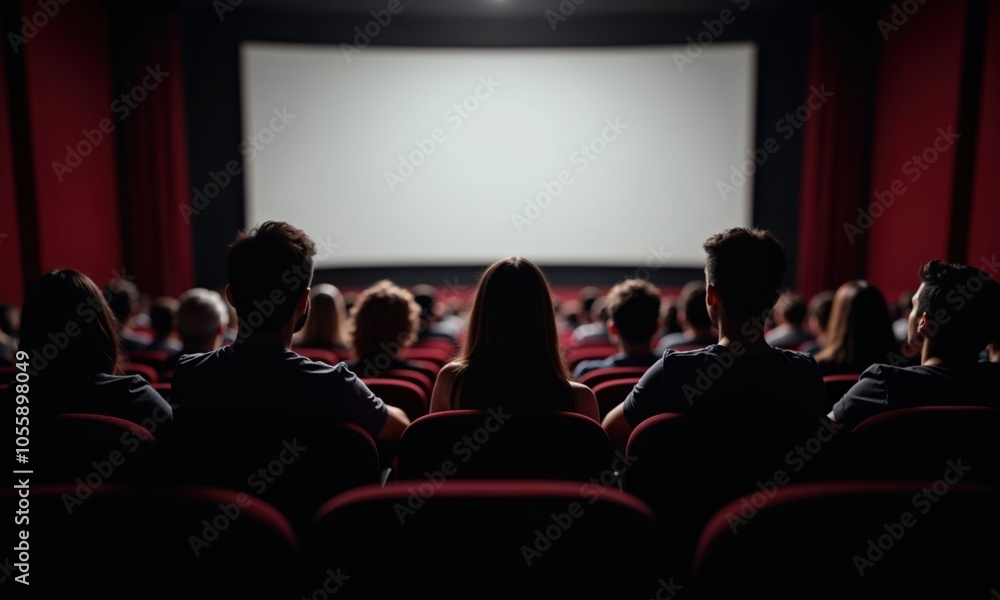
504	539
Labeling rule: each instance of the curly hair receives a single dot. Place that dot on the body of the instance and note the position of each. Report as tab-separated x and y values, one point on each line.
385	318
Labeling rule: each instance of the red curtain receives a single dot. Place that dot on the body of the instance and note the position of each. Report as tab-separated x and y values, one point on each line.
155	163
833	156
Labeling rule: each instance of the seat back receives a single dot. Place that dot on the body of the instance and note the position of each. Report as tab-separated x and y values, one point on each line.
295	465
161	542
410	397
153	358
597	376
94	448
686	467
854	540
494	445
915	443
487	539
613	392
412	376
437	355
318	354
578	354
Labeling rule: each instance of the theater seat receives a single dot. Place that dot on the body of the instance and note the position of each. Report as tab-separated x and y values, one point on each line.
125	542
686	467
153	358
415	377
436	355
410	397
916	443
318	354
915	539
487	539
613	392
607	374
296	465
494	445
94	448
145	371
578	354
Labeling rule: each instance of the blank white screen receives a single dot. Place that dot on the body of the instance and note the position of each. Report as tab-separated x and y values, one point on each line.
654	186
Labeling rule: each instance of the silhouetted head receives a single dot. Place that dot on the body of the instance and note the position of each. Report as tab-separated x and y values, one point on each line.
385	319
746	268
68	328
634	310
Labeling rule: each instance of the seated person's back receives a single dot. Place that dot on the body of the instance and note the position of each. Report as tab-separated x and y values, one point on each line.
953	317
633	308
740	379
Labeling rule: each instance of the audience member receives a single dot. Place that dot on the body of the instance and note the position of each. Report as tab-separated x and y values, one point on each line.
384	322
901	315
695	323
670	317
163	320
595	332
511	356
432	323
123	298
741	379
633	308
817	321
790	315
9	315
258	380
860	330
202	321
953	317
326	326
71	336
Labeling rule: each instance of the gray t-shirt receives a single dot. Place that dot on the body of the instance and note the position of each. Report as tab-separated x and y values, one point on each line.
885	387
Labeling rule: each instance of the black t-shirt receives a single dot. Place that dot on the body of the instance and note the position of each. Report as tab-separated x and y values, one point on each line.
885	387
215	389
127	397
780	386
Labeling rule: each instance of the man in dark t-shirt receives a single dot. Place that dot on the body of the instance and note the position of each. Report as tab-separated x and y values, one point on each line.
954	316
741	379
258	382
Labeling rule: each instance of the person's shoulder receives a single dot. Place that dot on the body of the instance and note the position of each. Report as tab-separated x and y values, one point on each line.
126	385
197	359
450	371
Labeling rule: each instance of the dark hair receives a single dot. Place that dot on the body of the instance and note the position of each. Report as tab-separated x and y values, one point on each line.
860	329
693	300
270	268
962	303
820	307
425	296
511	353
634	306
747	267
123	298
67	322
793	309
163	316
668	313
